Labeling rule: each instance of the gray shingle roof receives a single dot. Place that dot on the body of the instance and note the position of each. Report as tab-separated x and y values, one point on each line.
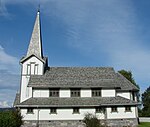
17	99
81	77
125	83
35	45
76	102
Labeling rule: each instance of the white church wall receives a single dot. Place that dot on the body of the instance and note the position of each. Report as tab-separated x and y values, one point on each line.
30	66
108	93
86	93
29	116
25	91
124	94
64	93
67	114
62	114
40	93
67	93
121	113
33	61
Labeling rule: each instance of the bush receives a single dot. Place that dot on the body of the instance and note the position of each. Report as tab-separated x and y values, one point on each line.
91	121
10	118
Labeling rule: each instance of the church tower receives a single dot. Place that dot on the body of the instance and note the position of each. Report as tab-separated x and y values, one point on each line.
33	63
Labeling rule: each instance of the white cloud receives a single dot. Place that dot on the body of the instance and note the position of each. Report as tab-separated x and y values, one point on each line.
6	58
4	104
9	77
7	97
3	9
8	62
9	80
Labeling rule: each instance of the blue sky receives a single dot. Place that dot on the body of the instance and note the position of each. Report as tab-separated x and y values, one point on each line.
112	33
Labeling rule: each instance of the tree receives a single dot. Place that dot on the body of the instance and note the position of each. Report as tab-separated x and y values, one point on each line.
10	118
128	75
146	103
91	120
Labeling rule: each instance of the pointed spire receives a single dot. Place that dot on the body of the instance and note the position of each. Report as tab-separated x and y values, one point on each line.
35	45
39	8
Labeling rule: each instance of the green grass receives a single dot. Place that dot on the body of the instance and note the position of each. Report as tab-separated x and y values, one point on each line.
144	124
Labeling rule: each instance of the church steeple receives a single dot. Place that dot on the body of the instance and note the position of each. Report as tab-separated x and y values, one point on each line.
34	63
35	45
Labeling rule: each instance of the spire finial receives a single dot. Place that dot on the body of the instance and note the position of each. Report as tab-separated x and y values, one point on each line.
39	7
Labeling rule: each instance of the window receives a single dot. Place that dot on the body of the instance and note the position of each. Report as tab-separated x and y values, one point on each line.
53	111
99	109
133	96
36	69
28	69
75	110
54	92
113	109
30	110
96	92
75	92
127	109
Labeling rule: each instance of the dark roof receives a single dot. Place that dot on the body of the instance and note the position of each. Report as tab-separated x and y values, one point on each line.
76	102
125	83
43	59
81	77
17	99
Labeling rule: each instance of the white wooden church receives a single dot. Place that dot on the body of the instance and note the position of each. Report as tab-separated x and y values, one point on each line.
63	94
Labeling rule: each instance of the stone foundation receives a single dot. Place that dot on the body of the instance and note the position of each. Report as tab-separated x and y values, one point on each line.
122	122
53	124
106	123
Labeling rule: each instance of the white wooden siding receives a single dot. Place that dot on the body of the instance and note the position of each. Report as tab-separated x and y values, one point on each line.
108	93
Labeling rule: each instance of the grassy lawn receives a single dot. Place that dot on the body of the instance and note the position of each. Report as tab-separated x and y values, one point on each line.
144	124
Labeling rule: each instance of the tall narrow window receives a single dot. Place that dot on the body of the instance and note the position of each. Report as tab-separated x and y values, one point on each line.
133	96
114	109
75	92
54	92
53	111
29	110
127	109
36	69
96	92
75	110
28	69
